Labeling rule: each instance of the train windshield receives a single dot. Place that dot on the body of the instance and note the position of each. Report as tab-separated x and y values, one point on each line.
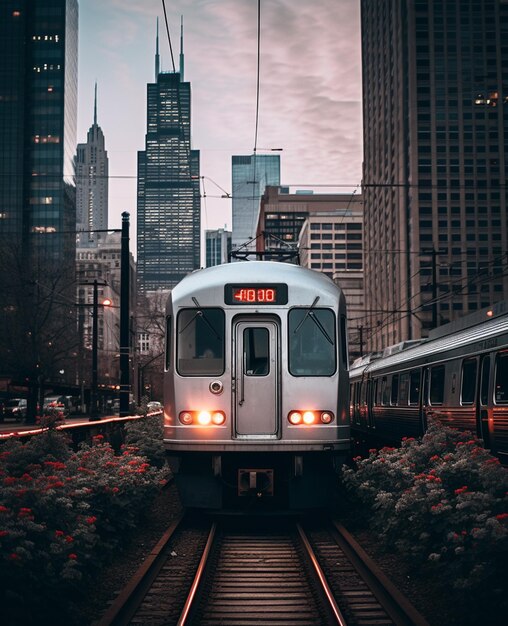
312	342
200	344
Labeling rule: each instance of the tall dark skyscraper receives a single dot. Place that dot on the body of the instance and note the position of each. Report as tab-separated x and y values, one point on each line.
38	106
435	113
92	184
168	210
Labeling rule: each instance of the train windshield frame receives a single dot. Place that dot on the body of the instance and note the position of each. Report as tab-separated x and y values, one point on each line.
312	342
200	341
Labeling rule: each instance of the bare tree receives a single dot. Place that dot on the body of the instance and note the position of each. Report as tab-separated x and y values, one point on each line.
38	329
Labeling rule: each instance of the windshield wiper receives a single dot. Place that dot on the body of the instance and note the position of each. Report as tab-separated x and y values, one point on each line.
310	313
200	313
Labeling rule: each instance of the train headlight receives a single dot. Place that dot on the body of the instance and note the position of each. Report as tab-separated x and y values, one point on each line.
204	418
295	417
186	418
308	417
218	418
326	417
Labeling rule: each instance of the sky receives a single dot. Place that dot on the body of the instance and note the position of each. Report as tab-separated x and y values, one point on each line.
309	97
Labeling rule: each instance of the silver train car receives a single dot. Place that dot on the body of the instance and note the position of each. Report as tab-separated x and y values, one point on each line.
256	386
459	378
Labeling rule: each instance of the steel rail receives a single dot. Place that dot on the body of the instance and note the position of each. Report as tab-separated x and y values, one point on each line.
395	603
184	616
332	604
123	609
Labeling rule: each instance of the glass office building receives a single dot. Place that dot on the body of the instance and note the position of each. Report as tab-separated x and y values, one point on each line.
435	115
250	175
169	204
38	106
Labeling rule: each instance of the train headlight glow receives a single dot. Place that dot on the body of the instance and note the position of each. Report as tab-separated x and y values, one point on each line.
218	418
295	417
204	418
308	417
186	418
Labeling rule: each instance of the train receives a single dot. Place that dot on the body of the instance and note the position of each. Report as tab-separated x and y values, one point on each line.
256	387
459	376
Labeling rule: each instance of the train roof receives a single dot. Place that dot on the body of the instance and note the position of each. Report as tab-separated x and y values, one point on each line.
469	336
252	272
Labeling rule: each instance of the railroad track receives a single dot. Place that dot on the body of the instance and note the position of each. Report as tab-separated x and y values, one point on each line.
261	574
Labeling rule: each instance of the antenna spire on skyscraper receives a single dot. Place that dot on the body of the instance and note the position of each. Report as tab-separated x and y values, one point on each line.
157	63
95	106
181	50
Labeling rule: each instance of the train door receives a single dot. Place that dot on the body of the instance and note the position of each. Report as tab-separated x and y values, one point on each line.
256	390
482	423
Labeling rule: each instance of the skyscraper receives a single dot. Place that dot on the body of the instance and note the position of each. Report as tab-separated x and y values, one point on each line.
38	106
250	174
168	216
435	98
218	246
92	184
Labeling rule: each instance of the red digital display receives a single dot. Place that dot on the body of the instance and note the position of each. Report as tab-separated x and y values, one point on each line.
255	295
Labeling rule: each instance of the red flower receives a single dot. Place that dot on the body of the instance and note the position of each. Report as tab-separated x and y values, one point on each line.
91	520
372	451
502	516
14	557
24	512
69	539
59	533
57	465
98	438
115	490
434	458
4	533
3	509
461	490
72	556
26	478
10	480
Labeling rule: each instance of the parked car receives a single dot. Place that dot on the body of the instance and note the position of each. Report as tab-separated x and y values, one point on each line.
153	406
56	405
15	408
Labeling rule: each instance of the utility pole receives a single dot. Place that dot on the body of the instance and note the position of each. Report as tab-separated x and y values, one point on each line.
94	413
124	319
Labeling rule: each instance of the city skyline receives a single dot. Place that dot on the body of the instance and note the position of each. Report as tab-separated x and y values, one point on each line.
310	89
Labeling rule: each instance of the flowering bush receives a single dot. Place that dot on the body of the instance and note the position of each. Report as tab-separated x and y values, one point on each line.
441	500
61	513
147	435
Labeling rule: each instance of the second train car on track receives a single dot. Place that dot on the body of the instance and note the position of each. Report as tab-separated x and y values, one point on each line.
256	386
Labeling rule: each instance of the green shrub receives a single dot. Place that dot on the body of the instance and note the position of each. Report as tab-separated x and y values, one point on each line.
60	518
146	436
440	500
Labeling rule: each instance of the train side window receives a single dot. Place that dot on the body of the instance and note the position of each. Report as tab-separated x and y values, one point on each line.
394	399
437	384
374	393
312	342
385	398
414	387
167	348
256	347
484	389
501	382
468	385
200	343
404	389
343	341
